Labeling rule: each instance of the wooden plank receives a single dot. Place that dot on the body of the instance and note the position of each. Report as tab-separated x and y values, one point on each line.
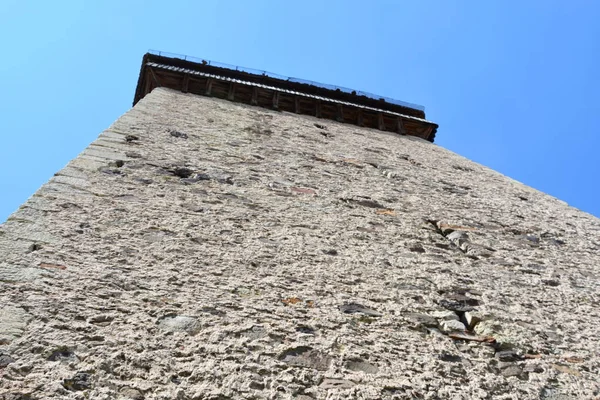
400	126
428	132
360	121
296	104
155	78
231	92
185	84
380	122
340	113
209	83
276	100
148	86
254	100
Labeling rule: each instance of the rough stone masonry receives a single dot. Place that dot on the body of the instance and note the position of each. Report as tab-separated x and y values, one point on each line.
202	249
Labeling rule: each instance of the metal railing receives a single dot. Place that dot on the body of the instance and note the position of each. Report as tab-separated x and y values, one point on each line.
285	78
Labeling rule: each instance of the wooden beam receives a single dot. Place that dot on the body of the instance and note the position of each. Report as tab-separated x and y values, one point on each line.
340	113
400	126
155	78
231	92
428	133
254	100
276	100
318	109
148	86
297	104
360	121
185	84
380	122
209	83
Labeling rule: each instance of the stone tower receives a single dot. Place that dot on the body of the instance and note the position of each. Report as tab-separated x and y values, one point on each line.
236	235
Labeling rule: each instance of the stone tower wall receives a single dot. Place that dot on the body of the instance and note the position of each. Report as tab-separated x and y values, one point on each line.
201	249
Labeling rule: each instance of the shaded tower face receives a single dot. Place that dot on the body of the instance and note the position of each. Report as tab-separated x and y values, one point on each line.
204	248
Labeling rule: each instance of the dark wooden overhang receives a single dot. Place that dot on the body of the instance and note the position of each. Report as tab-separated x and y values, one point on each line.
280	94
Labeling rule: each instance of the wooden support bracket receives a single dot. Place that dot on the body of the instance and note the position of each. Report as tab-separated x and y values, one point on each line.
209	83
185	84
318	109
231	92
400	126
276	100
148	86
296	104
428	133
380	122
155	78
360	121
340	113
254	100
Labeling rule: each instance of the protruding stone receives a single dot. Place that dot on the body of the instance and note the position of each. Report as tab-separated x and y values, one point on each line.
513	370
507	356
365	203
193	207
362	366
307	357
13	321
445	315
450	357
181	323
131	393
354	308
307	330
5	359
178	134
329	383
101	320
472	318
423	320
417	248
81	381
452	326
456	305
551	282
60	354
133	154
17	273
535	368
254	333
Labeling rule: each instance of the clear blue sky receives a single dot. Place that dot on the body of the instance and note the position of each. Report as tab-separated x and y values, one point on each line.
514	85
